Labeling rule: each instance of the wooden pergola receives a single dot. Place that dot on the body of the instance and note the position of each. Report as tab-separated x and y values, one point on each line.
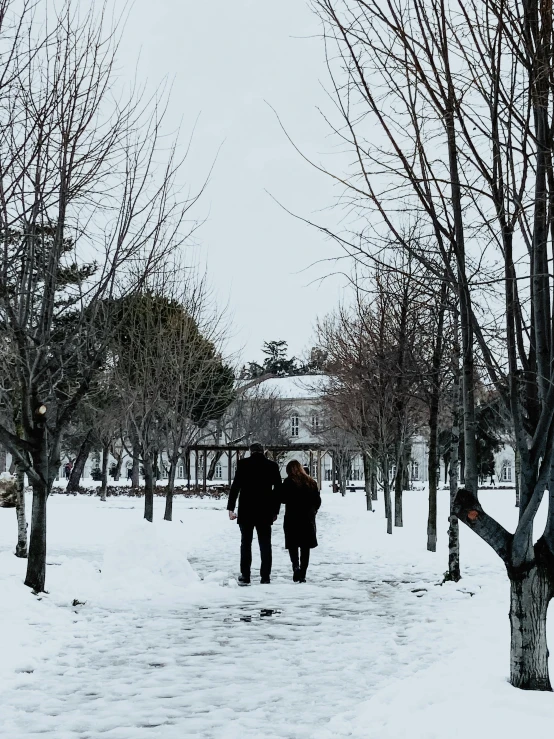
316	452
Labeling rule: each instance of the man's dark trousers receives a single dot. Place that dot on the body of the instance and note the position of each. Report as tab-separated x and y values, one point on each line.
264	540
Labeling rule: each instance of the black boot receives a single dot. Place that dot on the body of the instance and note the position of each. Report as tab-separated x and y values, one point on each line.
296	574
301	575
244	580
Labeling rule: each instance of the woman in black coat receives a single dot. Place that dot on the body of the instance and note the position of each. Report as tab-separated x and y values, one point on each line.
301	497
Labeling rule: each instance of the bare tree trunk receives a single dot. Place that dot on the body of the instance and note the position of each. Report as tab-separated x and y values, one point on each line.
398	480
386	493
118	464
21	547
373	480
148	488
367	480
3	459
168	515
530	593
135	471
453	525
517	472
79	466
36	561
105	460
433	461
213	464
432	474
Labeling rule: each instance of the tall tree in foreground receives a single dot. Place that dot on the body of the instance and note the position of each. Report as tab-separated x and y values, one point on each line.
463	97
86	213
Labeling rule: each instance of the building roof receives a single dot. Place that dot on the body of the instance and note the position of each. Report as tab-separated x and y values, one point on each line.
303	387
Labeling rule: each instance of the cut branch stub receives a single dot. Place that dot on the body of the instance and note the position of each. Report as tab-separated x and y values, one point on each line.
468	509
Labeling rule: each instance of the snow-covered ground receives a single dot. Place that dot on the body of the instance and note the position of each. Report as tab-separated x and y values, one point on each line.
371	647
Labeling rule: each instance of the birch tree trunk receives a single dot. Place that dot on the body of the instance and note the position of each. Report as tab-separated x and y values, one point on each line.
21	546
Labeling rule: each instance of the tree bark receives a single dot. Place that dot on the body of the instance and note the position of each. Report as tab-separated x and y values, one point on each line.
530	594
118	464
517	473
432	474
213	464
148	488
79	466
36	561
453	525
386	493
433	460
373	480
168	515
135	471
105	461
398	480
367	480
21	546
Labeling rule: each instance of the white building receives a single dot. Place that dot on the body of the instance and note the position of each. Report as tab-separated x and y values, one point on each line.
301	423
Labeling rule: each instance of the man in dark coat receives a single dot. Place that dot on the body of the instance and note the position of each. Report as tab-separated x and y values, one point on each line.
257	486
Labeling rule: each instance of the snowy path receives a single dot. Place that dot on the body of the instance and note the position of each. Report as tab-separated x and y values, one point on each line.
277	661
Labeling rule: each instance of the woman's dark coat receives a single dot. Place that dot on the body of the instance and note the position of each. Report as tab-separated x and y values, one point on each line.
302	503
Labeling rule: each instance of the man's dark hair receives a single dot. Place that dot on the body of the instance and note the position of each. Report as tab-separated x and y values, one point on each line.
256	448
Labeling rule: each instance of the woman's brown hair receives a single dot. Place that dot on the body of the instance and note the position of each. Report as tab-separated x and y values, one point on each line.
298	475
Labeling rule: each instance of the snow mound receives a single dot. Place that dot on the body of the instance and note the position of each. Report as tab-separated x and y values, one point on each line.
147	560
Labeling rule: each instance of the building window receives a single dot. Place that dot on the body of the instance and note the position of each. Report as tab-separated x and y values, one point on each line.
294	425
506	474
328	475
315	424
415	471
218	472
181	471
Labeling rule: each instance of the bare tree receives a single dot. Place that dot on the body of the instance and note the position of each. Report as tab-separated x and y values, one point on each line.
198	384
372	378
86	213
462	97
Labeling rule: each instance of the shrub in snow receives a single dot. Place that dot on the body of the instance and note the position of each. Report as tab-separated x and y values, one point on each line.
8	491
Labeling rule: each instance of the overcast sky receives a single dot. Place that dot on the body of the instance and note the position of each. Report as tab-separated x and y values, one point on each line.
225	60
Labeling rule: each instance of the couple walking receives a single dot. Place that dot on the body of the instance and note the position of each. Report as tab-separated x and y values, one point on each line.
260	492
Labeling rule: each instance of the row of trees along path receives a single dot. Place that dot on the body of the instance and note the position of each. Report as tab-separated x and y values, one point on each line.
447	110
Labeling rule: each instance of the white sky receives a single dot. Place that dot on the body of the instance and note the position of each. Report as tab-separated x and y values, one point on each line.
225	58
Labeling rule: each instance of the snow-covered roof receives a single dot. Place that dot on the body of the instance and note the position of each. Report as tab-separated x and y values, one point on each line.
304	387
